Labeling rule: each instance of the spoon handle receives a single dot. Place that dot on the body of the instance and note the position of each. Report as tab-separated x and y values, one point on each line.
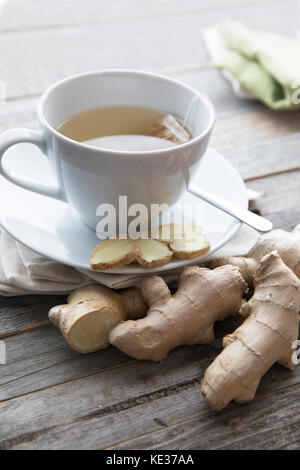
249	218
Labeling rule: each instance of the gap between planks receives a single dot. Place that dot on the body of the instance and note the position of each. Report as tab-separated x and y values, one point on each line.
226	412
112	409
274	173
25	329
227	417
103	371
76	51
158	10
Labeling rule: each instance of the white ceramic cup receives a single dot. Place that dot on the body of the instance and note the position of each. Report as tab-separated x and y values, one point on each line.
88	176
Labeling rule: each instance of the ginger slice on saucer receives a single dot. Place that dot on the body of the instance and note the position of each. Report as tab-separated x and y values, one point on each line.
114	253
170	232
120	252
174	240
153	253
169	128
186	248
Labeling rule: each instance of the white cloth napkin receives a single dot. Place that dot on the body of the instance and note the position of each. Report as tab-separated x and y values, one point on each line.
23	271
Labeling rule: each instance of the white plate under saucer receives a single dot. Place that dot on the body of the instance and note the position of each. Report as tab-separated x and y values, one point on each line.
53	229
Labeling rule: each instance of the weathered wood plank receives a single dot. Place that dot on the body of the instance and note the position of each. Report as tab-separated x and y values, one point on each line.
80	398
285	220
117	389
41	358
259	142
175	418
163	44
74	50
115	425
244	428
263	157
18	113
41	14
280	192
25	312
255	125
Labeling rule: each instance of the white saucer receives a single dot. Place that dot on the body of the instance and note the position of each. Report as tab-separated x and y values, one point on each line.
53	229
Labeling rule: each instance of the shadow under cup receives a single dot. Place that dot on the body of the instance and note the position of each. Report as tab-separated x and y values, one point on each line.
92	176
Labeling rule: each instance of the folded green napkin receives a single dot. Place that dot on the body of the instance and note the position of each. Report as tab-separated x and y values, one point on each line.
265	64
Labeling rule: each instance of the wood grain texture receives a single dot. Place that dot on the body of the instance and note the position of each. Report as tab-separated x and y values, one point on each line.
179	421
163	45
279	192
18	113
264	157
171	418
41	358
255	125
38	14
237	428
148	404
285	220
114	389
25	312
146	417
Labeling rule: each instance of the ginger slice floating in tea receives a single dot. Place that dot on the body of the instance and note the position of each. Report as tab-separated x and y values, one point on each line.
169	128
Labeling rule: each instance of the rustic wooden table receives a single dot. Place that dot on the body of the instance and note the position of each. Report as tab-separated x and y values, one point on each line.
52	397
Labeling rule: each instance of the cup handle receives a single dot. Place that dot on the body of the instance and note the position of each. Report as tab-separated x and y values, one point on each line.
16	136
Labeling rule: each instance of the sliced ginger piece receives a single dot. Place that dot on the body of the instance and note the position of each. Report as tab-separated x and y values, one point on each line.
186	241
114	253
186	248
168	233
153	253
92	312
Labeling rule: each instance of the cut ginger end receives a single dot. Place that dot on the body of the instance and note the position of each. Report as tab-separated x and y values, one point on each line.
190	248
92	331
150	253
170	232
153	253
113	253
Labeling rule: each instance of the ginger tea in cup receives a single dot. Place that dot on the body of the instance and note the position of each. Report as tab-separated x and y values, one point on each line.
125	128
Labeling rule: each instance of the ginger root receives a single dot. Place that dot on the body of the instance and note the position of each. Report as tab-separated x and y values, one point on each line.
190	248
92	312
187	317
264	338
286	243
114	253
168	233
